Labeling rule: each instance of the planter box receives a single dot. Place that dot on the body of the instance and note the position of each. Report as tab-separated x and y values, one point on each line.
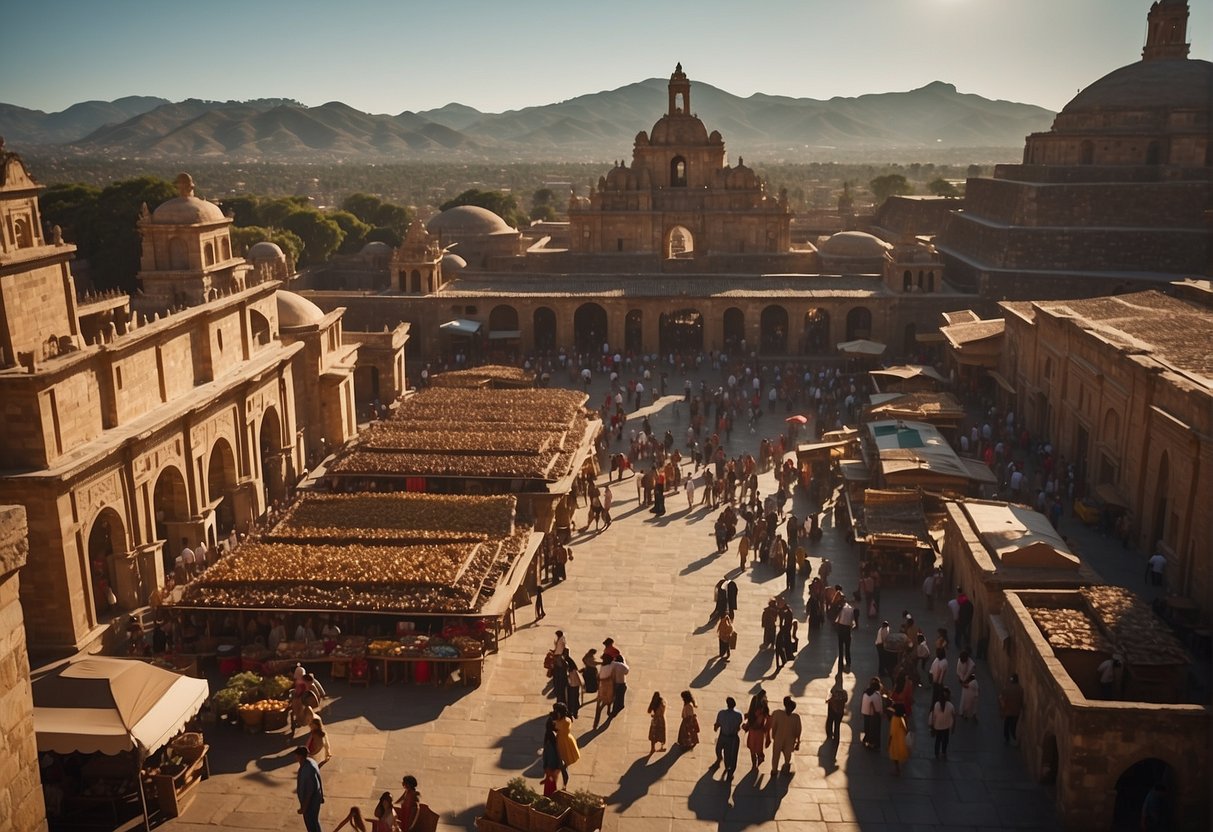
542	822
577	821
517	815
494	807
490	825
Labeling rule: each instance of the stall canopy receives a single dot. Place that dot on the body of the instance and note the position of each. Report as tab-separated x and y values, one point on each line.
861	347
113	705
460	326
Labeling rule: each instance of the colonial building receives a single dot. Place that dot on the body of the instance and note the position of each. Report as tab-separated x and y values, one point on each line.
1123	387
134	425
1115	196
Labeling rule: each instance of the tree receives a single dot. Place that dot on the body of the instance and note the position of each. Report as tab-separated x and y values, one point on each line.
502	204
272	212
244	210
385	235
890	184
942	187
354	228
320	235
376	213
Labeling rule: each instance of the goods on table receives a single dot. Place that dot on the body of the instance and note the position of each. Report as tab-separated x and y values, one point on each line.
485	373
1070	629
1137	632
401	517
350	647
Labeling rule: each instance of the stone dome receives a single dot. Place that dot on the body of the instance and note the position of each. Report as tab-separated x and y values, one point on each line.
467	221
375	248
678	129
187	210
1168	84
453	262
265	250
296	311
855	244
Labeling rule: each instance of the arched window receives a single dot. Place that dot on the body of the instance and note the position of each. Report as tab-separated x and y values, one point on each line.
227	249
680	104
930	281
678	172
415	282
859	323
260	327
21	229
907	281
209	254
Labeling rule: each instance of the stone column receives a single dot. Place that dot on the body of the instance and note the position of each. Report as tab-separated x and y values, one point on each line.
21	805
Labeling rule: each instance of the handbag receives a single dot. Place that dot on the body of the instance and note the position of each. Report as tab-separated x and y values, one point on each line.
910	740
733	640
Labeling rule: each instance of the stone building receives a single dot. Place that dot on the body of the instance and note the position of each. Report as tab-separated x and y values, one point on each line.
1115	196
1123	387
21	805
132	425
1101	753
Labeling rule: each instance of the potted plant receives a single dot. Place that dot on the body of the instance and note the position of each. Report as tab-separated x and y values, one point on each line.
519	796
586	809
547	815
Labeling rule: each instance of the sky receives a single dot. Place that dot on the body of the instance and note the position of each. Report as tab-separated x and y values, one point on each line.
387	56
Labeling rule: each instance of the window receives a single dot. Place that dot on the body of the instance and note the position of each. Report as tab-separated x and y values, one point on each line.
118	377
678	172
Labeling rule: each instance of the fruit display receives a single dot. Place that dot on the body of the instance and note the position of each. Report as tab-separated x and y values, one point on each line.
477	437
264	705
438	464
350	647
401	517
360	563
510	407
486	374
1070	629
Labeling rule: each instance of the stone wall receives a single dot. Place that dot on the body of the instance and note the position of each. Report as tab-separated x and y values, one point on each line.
21	804
1115	204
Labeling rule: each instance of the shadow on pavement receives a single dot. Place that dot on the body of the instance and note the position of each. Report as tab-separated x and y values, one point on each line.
640	777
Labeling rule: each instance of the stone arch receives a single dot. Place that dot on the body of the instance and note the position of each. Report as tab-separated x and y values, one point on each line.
415	281
679	242
859	323
1111	426
1135	782
208	254
178	255
503	318
734	329
678	172
23	233
589	327
633	332
171	513
773	331
227	248
221	482
815	334
543	321
680	331
259	327
273	457
106	538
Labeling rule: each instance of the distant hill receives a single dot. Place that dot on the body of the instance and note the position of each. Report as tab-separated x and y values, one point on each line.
598	125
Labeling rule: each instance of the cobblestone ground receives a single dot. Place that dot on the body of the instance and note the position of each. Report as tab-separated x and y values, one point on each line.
647	582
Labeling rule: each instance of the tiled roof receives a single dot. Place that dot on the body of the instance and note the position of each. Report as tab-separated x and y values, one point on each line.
967	333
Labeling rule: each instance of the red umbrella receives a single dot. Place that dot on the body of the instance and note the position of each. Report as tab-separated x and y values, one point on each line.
798	419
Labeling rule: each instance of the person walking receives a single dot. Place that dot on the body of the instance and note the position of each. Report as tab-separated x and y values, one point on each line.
619	674
871	708
899	745
757	729
964	621
785	735
770	614
308	789
566	743
1010	705
942	720
551	761
836	709
969	694
606	689
938	672
844	623
572	696
688	728
789	572
882	655
724	635
656	722
728	739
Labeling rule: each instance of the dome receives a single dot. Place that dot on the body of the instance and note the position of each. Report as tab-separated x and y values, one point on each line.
296	311
187	210
468	220
453	262
265	250
679	129
1165	84
375	248
855	244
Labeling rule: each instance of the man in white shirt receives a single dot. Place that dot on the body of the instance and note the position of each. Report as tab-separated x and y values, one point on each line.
871	707
620	670
1016	482
939	670
187	560
942	720
844	623
1158	563
882	658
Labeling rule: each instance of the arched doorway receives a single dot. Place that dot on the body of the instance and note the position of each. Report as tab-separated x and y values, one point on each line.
170	509
734	329
220	485
503	319
679	243
274	458
106	538
543	320
859	324
589	327
773	331
1132	787
633	332
1162	501
816	334
681	331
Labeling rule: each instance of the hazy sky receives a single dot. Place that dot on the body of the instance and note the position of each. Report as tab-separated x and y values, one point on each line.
385	56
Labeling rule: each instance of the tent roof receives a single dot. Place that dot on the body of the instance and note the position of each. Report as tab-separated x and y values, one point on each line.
861	347
909	371
461	326
112	705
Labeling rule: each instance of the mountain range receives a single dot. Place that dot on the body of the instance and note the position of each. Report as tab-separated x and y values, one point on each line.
594	126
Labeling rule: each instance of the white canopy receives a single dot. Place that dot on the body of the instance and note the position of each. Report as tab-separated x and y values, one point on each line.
460	326
861	347
109	706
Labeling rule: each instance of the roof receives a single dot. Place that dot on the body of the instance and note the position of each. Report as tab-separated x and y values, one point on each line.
905	446
1175	333
922	405
1160	84
856	244
972	331
186	210
265	250
296	311
909	371
468	221
895	516
1019	536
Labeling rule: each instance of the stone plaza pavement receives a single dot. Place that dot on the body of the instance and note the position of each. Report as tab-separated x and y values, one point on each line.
647	582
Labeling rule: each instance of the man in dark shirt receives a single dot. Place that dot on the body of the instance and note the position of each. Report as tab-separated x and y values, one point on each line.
308	789
728	742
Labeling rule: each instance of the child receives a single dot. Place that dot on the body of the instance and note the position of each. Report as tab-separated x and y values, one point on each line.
968	697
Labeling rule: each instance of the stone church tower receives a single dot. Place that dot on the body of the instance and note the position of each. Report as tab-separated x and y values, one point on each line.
1166	30
416	267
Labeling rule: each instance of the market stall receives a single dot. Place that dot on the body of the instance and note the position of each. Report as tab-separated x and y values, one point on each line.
118	712
893	529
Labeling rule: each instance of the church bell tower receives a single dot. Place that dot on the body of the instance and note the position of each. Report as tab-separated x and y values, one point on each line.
1166	30
680	93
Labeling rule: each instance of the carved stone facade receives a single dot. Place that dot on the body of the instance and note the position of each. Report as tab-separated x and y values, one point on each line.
166	425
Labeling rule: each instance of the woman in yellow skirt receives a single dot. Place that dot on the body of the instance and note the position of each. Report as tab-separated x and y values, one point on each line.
899	748
566	743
